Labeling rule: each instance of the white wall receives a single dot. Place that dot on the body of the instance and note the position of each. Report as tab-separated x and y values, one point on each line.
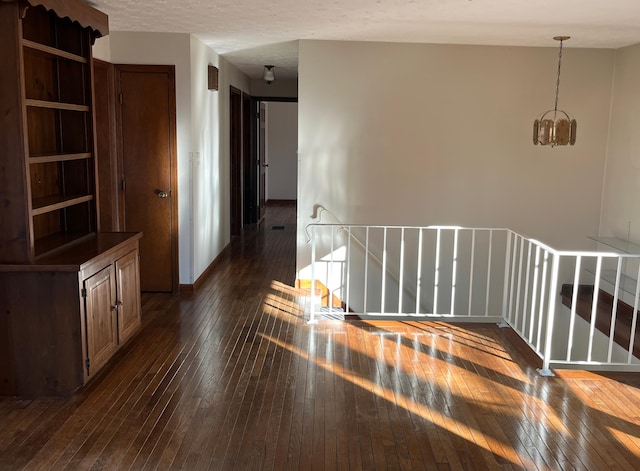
441	134
282	150
202	138
167	49
102	49
621	196
208	190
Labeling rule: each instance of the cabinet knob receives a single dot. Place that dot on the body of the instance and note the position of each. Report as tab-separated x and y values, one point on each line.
114	307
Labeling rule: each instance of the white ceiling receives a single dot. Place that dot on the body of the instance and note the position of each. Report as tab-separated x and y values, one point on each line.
250	33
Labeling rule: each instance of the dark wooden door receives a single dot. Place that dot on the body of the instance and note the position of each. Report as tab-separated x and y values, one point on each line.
147	136
249	175
236	160
262	164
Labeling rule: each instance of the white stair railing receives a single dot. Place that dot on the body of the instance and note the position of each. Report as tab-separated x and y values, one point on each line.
382	261
371	257
461	274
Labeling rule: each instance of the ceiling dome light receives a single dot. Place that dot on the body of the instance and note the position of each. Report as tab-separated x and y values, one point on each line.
557	129
269	75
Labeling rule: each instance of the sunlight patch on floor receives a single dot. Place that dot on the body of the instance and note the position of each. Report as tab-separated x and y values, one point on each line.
427	413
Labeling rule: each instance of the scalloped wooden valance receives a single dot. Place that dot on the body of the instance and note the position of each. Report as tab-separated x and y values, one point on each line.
76	10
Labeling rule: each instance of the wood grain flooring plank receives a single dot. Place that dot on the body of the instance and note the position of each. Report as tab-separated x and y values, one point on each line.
23	434
318	419
232	377
81	424
418	445
330	419
214	434
510	398
289	439
252	446
181	380
258	374
234	421
282	392
614	414
108	457
467	378
349	451
590	424
337	433
368	422
435	394
18	425
165	370
312	390
395	447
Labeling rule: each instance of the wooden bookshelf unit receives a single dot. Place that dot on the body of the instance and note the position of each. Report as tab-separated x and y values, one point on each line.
62	296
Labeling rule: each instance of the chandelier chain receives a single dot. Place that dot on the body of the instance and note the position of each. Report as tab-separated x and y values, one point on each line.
558	80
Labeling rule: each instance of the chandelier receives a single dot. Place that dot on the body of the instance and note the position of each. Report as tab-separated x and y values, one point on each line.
555	127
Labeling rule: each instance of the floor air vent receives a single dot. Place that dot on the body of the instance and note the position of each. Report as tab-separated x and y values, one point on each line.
277	228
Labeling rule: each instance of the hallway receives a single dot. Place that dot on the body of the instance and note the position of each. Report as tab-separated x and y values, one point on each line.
231	377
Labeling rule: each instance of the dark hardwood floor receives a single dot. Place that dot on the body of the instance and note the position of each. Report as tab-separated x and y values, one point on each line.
231	377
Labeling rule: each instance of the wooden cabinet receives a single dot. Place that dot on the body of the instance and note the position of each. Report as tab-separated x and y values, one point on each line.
112	304
63	318
48	180
69	294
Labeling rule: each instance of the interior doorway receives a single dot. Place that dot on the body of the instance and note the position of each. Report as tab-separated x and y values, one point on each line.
279	164
250	135
262	160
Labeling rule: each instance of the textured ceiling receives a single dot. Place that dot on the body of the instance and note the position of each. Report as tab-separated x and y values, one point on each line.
250	33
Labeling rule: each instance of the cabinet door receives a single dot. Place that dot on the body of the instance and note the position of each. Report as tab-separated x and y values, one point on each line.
101	308
128	295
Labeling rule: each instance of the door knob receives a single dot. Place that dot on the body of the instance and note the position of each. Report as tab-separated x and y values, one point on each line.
162	194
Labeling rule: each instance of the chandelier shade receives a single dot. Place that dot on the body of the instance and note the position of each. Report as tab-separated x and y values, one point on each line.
554	130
